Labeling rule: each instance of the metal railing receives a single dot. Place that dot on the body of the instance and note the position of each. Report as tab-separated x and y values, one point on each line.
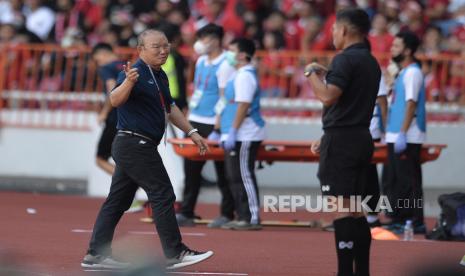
52	87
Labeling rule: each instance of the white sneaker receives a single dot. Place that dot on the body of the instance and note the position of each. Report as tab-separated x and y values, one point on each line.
462	262
186	258
218	222
103	262
136	207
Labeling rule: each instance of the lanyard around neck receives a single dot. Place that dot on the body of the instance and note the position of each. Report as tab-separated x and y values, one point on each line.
153	77
162	99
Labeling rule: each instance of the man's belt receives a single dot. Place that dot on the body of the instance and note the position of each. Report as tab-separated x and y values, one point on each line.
132	133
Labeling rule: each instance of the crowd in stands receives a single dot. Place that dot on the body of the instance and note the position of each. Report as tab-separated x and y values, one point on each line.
275	26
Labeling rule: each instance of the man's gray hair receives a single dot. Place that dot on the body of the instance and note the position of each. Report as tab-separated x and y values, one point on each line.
141	36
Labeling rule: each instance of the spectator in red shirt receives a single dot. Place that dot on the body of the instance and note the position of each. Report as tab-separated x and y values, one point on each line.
391	11
432	70
456	84
379	37
412	18
222	13
276	21
432	41
436	10
67	17
273	80
95	14
310	33
307	15
324	41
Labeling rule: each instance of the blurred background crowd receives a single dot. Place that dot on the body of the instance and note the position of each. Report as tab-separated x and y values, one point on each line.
276	26
287	24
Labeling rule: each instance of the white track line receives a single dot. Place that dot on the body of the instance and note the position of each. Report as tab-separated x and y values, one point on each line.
141	232
209	273
415	241
154	233
178	273
81	231
6	270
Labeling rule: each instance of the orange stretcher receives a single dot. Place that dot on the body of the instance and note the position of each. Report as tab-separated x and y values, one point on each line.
289	151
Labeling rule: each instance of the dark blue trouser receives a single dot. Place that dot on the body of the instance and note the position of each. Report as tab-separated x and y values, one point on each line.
193	173
403	184
138	164
240	171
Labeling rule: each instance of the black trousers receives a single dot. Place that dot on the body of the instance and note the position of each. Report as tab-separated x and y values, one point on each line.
138	164
240	171
372	185
193	174
403	184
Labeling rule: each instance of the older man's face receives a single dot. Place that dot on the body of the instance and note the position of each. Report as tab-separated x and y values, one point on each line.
155	49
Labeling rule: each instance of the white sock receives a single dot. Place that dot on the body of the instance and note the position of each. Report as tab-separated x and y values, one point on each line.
372	218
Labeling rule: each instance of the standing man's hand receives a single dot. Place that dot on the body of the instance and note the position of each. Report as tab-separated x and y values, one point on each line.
131	73
102	116
200	142
120	94
215	135
230	142
315	148
317	68
401	143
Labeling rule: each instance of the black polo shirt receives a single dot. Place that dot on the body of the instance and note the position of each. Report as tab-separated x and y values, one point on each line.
106	72
143	112
356	72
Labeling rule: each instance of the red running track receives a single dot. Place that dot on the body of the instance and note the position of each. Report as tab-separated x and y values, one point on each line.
44	243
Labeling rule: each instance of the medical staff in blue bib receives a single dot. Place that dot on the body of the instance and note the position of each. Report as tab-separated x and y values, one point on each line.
406	132
242	131
211	73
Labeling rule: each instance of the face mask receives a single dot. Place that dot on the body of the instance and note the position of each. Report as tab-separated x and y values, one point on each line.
200	48
362	3
399	58
403	17
139	27
231	58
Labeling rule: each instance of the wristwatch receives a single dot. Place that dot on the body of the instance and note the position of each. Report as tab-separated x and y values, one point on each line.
309	72
192	131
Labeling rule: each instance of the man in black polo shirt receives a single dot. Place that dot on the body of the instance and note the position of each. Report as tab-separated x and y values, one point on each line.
346	148
109	67
144	105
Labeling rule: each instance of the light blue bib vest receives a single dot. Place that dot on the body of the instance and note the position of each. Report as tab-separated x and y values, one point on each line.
399	105
229	112
206	81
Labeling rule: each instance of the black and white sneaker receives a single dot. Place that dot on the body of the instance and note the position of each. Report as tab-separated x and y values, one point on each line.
187	257
103	262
